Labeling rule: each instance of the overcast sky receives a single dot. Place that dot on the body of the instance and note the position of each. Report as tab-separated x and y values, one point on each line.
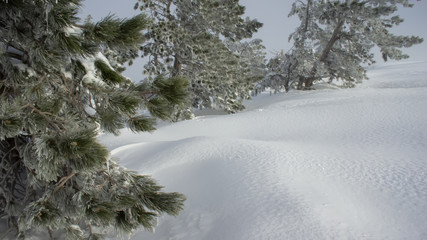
277	25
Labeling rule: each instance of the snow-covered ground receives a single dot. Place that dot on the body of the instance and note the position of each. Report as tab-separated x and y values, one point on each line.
324	164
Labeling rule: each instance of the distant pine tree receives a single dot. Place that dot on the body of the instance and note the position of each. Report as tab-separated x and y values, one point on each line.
60	86
186	39
335	39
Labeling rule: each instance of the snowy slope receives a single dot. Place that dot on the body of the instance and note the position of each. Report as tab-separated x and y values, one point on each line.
325	164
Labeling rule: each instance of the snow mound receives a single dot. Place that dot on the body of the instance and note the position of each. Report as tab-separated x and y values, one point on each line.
326	164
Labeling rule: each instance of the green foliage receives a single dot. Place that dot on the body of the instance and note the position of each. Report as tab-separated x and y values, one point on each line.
117	34
173	90
10	120
164	96
110	121
108	75
43	213
141	124
77	149
60	86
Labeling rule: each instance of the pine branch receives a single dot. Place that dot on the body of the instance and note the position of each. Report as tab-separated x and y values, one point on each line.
57	125
63	180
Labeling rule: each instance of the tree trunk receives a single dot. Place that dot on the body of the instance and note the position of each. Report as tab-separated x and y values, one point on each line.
308	83
307	17
177	65
335	37
302	79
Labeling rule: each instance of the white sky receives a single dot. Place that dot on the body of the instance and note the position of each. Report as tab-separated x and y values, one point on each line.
277	25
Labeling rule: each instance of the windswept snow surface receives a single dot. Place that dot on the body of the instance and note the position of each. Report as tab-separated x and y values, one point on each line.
324	164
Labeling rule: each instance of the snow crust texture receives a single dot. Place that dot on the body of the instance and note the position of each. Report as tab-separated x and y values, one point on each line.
324	164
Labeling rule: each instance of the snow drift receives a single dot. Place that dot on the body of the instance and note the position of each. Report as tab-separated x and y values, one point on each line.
325	164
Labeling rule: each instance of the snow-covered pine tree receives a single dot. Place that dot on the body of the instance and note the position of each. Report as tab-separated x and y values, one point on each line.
58	91
251	55
186	40
336	37
210	89
281	72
